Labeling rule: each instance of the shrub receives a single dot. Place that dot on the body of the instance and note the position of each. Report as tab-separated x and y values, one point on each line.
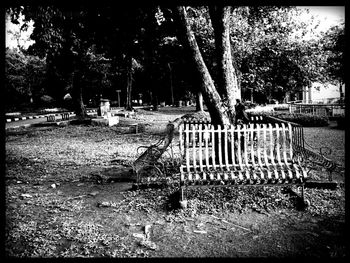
341	122
249	105
281	107
306	120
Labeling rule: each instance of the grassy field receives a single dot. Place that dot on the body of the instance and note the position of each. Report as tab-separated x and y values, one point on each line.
59	203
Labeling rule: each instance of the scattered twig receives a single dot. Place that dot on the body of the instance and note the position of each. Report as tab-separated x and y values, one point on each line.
228	222
200	231
75	197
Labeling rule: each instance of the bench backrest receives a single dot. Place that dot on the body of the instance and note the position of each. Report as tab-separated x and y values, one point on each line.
51	118
65	116
206	146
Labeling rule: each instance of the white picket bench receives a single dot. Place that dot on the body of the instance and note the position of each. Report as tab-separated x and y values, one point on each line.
65	116
51	118
253	154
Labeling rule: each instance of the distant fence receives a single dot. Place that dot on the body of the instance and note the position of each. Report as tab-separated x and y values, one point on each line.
330	110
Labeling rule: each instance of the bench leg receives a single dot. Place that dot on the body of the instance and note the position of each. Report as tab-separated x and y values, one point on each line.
302	193
304	203
330	177
183	198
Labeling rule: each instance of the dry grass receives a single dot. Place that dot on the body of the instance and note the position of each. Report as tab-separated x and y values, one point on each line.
68	221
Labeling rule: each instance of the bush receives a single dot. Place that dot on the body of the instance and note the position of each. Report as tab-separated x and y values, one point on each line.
249	105
281	107
341	122
306	120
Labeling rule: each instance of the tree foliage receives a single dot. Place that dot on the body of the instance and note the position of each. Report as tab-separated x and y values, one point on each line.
93	50
334	47
24	77
272	49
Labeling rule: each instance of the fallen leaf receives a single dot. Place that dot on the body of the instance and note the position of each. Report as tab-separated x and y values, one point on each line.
200	225
149	244
104	204
26	195
200	231
147	231
138	235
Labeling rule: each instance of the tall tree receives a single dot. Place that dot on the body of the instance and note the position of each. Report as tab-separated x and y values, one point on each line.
334	45
116	33
60	32
227	75
212	95
24	78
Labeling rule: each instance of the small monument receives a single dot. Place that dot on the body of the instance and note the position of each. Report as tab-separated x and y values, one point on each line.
104	115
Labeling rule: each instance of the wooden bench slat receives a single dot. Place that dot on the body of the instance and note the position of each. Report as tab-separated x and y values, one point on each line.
277	144
193	139
251	139
200	149
213	157
271	144
239	144
207	147
245	147
233	151
226	149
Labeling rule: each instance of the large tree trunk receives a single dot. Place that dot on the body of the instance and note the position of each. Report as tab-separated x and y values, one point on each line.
80	110
341	90
128	105
199	101
171	85
221	100
217	110
227	78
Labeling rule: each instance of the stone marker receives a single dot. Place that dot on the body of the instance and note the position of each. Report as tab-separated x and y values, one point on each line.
104	115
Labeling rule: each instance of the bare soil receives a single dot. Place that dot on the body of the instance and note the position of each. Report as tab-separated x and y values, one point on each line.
60	203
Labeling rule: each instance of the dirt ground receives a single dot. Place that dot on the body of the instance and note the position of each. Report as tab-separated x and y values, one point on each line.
60	203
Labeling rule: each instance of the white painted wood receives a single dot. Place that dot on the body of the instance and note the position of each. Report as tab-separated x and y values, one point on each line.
271	144
200	157
220	146
277	144
226	148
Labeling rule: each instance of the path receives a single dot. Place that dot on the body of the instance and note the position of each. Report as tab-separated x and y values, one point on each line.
29	122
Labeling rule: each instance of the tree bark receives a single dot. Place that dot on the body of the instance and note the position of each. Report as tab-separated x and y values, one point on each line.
155	103
171	85
80	110
217	110
199	101
128	105
341	90
227	78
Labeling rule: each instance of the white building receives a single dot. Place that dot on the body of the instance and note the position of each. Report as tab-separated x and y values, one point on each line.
323	93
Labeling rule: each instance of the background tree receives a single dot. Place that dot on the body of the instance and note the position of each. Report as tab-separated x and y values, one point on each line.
93	51
61	37
334	46
218	100
24	78
275	51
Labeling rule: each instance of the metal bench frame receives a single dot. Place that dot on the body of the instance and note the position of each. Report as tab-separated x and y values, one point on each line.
307	153
284	161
